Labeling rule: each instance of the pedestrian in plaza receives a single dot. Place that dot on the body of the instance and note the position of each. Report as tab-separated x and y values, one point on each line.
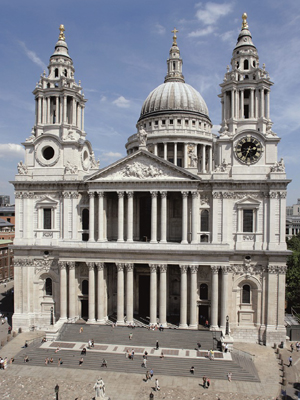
132	354
199	345
104	363
81	329
292	347
157	388
297	346
46	361
157	345
148	377
144	363
81	362
127	353
51	360
204	381
192	370
130	335
229	376
151	374
93	343
290	361
207	383
60	362
162	354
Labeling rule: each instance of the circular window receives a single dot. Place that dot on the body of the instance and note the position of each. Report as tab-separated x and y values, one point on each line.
48	153
85	155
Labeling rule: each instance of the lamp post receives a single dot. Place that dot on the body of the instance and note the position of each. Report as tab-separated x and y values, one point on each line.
227	326
51	316
56	389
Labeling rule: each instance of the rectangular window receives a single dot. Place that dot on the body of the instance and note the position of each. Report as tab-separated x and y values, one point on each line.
47	218
179	121
247	220
163	122
171	122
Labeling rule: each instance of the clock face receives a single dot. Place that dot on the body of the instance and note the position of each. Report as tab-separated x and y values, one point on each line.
248	150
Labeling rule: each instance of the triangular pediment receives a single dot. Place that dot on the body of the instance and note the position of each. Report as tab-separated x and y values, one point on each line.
248	201
46	201
142	165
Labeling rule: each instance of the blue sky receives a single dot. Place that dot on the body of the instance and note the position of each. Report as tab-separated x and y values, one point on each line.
119	49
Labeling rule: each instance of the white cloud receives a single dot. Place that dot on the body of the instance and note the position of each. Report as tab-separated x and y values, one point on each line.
211	12
161	30
109	157
32	56
201	32
11	150
229	36
121	102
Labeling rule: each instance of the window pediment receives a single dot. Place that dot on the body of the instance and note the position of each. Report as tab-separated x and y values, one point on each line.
248	202
46	202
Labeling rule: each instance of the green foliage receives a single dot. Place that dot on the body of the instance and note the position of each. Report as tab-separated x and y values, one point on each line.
293	272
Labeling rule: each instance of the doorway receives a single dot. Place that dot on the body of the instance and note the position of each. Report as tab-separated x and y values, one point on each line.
203	314
144	295
85	309
145	218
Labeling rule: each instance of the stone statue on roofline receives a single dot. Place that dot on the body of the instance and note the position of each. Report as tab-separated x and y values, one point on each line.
142	137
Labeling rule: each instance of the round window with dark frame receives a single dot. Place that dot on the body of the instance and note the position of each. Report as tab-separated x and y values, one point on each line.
48	153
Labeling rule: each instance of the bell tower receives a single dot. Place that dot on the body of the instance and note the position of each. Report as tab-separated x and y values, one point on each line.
57	145
246	138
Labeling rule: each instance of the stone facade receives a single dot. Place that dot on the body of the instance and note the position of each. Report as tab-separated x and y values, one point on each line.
188	227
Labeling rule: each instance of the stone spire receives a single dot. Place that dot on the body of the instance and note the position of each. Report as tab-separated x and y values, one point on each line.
174	62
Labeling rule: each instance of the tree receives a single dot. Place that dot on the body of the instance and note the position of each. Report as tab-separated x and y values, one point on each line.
293	272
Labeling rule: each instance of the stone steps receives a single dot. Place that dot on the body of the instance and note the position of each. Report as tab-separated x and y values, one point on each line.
171	366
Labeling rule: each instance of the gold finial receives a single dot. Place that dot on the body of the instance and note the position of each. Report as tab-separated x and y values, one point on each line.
174	36
244	24
61	35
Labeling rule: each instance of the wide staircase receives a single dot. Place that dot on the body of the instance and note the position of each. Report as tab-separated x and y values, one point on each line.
242	369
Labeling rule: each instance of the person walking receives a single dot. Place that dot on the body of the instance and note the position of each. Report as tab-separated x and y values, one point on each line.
147	376
144	363
207	383
229	376
204	381
151	374
157	388
290	361
157	345
132	354
130	335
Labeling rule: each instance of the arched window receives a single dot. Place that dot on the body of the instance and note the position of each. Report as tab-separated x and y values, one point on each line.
66	73
203	291
85	287
48	287
246	64
204	221
246	294
56	73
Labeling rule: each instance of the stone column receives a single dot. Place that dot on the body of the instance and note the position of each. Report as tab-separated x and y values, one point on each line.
252	103
72	294
121	217
129	293
100	292
242	103
65	111
48	111
175	153
183	296
91	292
153	294
203	159
209	158
184	217
129	216
163	295
165	151
101	225
268	104
155	149
74	196
74	112
232	103
262	102
214	297
193	304
195	217
120	294
185	159
163	227
92	217
153	217
57	121
63	290
224	297
39	116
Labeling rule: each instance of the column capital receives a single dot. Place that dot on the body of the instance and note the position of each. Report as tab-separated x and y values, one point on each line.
183	268
153	267
74	195
120	266
129	266
100	266
185	194
101	194
163	267
129	194
195	194
163	194
91	195
90	265
71	264
214	269
62	265
120	195
153	194
224	269
194	269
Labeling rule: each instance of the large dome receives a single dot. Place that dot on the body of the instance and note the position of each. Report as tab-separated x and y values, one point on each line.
174	96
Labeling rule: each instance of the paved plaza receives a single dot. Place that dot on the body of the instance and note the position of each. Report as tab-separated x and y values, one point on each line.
28	381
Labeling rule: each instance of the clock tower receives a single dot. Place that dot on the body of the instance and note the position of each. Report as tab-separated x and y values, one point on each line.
246	143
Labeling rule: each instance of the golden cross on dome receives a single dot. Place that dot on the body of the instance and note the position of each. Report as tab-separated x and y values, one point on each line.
174	36
61	35
244	24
